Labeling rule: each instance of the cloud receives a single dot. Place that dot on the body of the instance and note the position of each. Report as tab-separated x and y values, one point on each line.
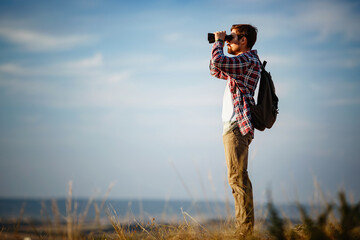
94	61
84	67
118	77
343	102
102	91
328	18
281	59
27	89
36	41
106	89
11	68
292	121
188	66
92	83
158	62
173	37
346	59
316	21
337	92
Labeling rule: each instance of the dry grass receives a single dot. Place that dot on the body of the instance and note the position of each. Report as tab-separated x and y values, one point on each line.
325	225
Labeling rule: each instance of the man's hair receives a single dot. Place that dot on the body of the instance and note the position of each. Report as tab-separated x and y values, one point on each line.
249	31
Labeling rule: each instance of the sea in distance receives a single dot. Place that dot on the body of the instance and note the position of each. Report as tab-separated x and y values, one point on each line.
165	211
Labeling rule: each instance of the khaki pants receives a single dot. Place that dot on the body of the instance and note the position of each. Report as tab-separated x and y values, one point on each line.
236	154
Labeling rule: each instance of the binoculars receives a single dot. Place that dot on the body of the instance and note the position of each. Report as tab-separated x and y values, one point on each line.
211	37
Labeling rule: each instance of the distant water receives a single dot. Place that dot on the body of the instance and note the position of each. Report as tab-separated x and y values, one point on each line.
127	210
40	209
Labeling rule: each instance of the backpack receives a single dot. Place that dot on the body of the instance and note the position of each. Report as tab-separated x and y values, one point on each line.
265	111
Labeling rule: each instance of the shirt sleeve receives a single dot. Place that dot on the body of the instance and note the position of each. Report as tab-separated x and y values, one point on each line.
242	70
222	66
214	70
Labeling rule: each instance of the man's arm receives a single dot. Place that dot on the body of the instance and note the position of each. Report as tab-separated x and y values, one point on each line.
219	44
214	70
232	66
222	66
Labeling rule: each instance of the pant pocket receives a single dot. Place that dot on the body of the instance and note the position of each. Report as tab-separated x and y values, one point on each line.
246	140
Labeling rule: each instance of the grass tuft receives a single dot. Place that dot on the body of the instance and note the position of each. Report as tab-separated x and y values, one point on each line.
325	225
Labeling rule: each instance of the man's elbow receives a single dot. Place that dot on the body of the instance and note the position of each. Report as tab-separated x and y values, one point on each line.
215	61
213	73
216	73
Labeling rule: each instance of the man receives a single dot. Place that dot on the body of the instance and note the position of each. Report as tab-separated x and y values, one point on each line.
241	72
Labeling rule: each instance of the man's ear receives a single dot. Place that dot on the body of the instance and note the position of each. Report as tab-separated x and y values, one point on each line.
244	41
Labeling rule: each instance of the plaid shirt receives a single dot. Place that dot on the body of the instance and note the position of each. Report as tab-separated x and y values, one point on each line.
243	72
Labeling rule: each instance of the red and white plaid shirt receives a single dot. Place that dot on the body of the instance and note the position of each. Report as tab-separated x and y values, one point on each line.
243	73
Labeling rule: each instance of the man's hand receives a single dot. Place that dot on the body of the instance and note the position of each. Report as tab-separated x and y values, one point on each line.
220	35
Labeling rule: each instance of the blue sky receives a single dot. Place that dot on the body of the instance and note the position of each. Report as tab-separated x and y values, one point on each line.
102	92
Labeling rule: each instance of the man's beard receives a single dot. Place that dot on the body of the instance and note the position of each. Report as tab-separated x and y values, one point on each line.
230	51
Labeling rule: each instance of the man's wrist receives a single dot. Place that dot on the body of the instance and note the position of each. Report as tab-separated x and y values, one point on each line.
219	40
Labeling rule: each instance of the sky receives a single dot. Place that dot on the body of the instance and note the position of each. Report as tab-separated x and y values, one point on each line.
119	93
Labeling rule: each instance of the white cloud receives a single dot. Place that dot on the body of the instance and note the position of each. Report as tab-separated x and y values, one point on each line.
12	68
188	66
290	121
157	62
328	18
337	92
37	41
170	97
281	59
343	102
347	59
147	62
95	92
316	21
26	88
90	62
173	37
84	66
92	83
118	77
113	89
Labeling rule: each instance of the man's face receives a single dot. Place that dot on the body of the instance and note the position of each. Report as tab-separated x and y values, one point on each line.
234	46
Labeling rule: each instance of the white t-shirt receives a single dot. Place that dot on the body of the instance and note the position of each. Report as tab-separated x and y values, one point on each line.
228	111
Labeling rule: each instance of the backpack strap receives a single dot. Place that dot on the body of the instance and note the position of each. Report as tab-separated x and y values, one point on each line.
264	64
261	64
